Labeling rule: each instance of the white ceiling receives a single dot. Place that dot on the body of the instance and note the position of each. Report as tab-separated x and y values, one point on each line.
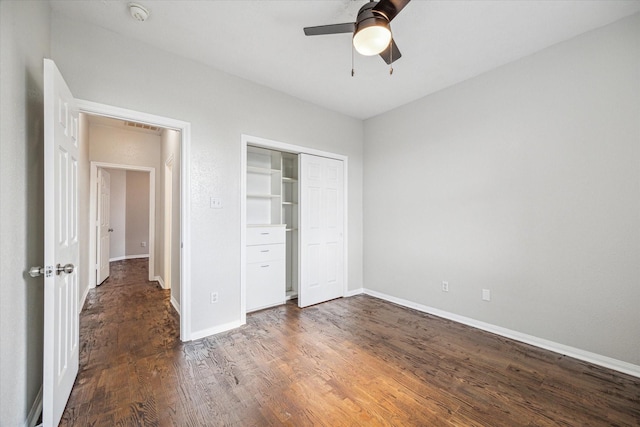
442	42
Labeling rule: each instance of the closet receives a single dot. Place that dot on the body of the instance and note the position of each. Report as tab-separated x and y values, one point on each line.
295	225
272	227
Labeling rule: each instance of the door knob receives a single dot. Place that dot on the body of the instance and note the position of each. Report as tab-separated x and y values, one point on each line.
65	268
39	271
110	230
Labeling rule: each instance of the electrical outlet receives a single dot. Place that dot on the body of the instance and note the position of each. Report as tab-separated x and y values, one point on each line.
445	286
143	244
215	203
214	297
486	295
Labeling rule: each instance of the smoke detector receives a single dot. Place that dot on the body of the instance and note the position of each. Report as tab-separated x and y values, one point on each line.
138	12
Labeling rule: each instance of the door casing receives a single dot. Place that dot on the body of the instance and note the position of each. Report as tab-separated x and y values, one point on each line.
168	221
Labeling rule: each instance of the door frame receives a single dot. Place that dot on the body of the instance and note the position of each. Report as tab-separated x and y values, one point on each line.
93	211
167	227
98	109
288	148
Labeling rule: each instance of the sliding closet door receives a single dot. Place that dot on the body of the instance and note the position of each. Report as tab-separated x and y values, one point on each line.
321	229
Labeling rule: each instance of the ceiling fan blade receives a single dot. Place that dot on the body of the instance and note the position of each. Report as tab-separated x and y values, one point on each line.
387	53
390	8
348	27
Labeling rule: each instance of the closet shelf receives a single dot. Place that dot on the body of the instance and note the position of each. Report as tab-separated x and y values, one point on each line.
263	196
286	179
263	171
289	203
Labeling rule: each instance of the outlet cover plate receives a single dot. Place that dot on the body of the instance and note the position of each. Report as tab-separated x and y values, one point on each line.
215	203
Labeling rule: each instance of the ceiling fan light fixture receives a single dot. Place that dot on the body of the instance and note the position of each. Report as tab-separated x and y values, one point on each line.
372	36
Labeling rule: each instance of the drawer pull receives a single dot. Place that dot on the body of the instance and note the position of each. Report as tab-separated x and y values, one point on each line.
266	250
264	234
264	266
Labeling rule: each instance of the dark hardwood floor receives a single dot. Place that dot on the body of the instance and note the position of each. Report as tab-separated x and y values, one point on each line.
355	361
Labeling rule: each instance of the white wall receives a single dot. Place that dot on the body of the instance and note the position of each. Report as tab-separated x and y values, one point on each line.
524	181
117	217
104	67
24	42
137	213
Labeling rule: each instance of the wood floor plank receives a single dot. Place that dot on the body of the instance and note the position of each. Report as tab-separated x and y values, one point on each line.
355	361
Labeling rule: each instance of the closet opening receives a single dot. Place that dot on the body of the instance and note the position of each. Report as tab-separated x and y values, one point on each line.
293	225
272	221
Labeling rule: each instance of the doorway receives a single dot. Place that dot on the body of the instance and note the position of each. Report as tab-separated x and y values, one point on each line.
180	212
125	216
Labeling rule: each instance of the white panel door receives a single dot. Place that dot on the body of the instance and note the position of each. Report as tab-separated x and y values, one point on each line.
61	246
104	224
321	229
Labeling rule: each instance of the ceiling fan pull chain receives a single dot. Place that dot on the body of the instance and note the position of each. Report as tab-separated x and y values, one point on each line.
353	72
391	53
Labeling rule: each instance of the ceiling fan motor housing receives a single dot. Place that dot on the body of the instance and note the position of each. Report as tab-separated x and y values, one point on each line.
368	17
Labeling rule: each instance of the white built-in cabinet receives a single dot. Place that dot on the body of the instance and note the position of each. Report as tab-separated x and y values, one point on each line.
265	266
272	227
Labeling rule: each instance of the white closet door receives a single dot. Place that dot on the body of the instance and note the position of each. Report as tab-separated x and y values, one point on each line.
321	229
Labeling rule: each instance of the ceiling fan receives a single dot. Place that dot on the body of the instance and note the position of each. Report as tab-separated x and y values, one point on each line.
371	31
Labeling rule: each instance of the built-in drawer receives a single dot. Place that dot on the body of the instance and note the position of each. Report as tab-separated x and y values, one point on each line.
265	235
265	284
260	253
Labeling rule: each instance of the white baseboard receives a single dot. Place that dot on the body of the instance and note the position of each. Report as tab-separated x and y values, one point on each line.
36	410
354	292
83	298
175	304
215	330
120	258
576	353
160	281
